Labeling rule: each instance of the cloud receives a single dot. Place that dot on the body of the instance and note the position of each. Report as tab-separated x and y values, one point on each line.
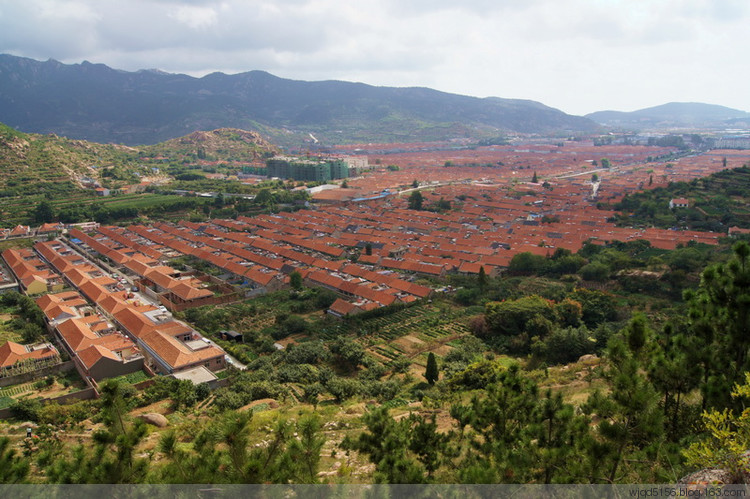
196	17
577	55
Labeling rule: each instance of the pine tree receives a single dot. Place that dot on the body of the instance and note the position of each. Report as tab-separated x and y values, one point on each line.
416	200
387	442
295	280
305	451
534	179
719	315
431	374
674	373
555	431
631	420
482	279
13	468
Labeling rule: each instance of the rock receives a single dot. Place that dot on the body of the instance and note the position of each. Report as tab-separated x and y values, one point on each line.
155	419
708	476
589	359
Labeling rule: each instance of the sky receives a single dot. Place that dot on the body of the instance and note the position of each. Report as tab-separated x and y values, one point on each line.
579	56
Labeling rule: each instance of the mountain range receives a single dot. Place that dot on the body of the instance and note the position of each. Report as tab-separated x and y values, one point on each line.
97	103
674	115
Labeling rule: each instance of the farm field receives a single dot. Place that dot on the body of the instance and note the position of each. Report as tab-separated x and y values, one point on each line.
49	387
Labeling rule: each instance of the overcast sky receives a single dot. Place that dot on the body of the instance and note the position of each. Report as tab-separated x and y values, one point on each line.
579	56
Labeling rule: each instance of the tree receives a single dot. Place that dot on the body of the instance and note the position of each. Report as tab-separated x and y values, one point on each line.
416	200
387	443
343	388
568	313
264	197
512	317
527	262
605	163
44	212
312	394
415	184
674	374
431	374
510	431
350	352
482	279
631	419
13	468
594	177
719	313
295	280
534	179
113	459
305	450
368	249
427	443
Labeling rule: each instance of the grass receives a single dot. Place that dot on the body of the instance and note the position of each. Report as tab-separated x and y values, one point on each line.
132	378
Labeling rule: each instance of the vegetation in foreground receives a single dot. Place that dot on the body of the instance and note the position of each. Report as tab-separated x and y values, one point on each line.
540	379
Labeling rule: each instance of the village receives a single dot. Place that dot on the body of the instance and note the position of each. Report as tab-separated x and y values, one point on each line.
109	293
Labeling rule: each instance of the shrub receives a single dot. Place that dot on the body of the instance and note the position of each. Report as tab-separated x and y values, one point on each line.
27	409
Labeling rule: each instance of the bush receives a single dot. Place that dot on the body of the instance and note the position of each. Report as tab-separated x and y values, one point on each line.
27	409
594	272
512	317
311	352
343	388
565	345
227	400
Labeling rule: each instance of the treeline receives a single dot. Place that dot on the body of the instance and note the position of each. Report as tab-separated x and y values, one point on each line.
45	212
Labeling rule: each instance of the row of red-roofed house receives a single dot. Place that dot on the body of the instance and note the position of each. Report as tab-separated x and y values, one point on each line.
105	333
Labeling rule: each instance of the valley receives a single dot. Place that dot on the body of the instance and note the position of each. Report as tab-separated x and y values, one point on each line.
508	266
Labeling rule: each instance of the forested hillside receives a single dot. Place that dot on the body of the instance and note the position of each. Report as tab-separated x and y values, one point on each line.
716	203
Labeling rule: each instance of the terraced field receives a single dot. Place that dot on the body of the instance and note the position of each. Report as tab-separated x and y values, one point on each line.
414	331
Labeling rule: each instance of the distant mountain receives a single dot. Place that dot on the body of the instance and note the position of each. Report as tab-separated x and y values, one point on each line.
674	115
95	102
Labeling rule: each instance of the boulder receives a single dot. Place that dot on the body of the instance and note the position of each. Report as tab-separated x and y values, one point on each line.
155	419
589	359
708	477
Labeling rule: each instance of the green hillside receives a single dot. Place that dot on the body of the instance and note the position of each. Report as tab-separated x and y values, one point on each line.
717	202
64	173
95	102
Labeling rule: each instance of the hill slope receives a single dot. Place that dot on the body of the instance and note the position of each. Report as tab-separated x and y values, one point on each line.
674	114
95	102
31	164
